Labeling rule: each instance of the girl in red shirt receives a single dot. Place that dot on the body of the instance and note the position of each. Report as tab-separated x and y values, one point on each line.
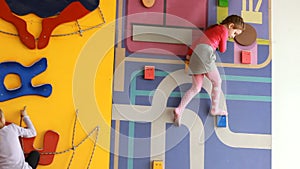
202	55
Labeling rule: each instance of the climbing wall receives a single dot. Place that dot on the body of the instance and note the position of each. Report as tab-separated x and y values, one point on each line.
143	99
102	90
55	81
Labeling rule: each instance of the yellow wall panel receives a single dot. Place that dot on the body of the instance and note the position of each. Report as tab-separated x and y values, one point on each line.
66	55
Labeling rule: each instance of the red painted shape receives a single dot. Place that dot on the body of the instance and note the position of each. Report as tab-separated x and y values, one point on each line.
71	13
149	72
26	38
50	143
246	57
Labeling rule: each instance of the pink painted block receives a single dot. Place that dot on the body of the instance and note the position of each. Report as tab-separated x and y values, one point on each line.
238	50
174	16
193	11
149	72
246	57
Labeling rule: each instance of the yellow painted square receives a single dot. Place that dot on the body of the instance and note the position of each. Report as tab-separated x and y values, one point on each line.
157	165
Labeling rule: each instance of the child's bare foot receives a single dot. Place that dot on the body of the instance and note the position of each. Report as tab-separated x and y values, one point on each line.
177	118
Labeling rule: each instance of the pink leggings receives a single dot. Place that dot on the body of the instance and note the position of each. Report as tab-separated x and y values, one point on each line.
216	80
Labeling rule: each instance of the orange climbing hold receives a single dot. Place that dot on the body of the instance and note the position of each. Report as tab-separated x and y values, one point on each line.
50	143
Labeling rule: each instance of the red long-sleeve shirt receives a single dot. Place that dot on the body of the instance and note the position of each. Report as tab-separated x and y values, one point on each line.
216	37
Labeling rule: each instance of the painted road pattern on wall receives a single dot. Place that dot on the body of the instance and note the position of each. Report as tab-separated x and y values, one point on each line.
142	109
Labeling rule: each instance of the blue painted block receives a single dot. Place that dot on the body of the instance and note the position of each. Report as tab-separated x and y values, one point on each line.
221	121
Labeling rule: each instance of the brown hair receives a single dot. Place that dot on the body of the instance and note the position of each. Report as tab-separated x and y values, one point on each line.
236	20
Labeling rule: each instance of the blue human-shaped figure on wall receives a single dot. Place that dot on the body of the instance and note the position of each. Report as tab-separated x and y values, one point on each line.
53	13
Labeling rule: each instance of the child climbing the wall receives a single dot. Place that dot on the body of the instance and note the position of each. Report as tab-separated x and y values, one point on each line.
11	153
202	55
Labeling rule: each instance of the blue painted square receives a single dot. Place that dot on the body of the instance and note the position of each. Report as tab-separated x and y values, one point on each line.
221	121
